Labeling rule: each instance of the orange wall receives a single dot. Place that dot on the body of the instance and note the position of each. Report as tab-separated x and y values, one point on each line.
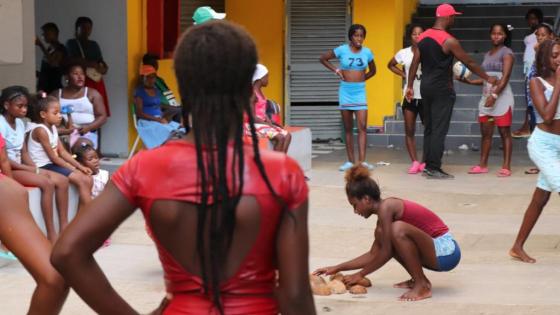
265	22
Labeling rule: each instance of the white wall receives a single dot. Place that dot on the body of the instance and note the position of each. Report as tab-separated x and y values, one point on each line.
22	73
109	30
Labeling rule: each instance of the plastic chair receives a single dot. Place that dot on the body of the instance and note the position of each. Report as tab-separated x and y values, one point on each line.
135	121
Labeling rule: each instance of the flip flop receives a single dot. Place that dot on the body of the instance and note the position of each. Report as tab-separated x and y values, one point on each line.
478	170
518	134
532	171
504	172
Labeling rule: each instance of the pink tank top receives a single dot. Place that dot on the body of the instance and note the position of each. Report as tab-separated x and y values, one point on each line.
423	218
260	105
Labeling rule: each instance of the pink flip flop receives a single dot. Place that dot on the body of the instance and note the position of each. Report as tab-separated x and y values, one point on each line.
478	170
504	172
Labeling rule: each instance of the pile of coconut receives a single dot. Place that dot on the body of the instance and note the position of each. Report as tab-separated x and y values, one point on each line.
335	285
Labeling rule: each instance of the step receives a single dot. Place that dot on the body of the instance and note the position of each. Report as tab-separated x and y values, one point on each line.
457	128
466	21
451	142
495	10
479	56
484	33
464	114
470	101
482	45
518	87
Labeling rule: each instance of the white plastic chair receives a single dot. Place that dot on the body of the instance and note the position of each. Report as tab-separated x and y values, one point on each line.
135	121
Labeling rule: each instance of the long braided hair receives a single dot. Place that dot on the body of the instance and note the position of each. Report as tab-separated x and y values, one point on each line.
214	65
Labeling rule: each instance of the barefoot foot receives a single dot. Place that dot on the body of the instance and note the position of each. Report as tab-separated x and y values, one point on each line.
418	292
408	284
521	255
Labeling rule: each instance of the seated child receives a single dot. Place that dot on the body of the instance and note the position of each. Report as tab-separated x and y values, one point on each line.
265	127
412	234
87	156
46	153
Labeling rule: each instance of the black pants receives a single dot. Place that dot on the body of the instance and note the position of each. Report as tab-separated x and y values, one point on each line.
438	108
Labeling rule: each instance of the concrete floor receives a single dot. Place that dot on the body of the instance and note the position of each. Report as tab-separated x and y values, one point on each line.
482	211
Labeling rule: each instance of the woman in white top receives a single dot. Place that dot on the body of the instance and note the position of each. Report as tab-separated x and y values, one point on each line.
544	143
84	105
410	109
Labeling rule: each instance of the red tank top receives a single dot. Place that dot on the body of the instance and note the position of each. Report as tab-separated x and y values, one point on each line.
423	218
169	172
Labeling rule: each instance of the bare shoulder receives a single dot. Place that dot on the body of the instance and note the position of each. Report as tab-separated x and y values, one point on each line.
391	206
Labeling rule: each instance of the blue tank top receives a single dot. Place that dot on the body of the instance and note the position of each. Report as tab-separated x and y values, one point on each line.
350	60
151	105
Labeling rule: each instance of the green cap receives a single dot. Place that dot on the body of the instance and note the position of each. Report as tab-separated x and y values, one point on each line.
205	14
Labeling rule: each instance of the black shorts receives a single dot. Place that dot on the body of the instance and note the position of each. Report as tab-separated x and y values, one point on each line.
57	169
415	106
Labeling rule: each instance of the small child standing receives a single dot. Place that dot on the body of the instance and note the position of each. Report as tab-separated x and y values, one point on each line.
86	155
46	153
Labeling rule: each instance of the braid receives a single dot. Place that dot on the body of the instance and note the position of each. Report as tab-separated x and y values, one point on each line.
215	85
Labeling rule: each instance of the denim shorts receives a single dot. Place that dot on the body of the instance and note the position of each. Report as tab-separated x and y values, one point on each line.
544	151
448	252
57	169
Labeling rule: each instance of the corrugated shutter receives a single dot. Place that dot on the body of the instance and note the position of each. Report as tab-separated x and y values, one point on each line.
315	26
188	7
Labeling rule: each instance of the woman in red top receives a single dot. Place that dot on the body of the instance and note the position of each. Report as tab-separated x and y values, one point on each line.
413	235
229	222
20	234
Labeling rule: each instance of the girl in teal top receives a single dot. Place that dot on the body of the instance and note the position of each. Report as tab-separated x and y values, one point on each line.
356	66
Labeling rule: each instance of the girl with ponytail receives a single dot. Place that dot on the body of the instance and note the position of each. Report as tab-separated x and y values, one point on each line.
412	234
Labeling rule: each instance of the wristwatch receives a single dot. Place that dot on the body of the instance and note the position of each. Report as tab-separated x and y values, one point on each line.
494	96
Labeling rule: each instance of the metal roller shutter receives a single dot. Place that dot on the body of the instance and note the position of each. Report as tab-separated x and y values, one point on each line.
314	27
188	7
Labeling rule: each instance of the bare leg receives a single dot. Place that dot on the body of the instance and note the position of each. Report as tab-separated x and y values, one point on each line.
410	131
47	193
348	124
287	141
540	199
278	143
361	117
505	134
83	183
486	131
525	127
61	185
22	236
416	249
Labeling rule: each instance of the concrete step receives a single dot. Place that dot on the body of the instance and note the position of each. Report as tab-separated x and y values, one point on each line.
463	114
456	128
484	33
471	101
482	45
479	56
469	21
494	10
518	87
451	142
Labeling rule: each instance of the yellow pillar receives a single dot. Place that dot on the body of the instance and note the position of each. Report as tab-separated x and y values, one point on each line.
385	22
136	25
264	20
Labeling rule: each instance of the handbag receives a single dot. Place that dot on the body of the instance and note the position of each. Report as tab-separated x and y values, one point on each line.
91	72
